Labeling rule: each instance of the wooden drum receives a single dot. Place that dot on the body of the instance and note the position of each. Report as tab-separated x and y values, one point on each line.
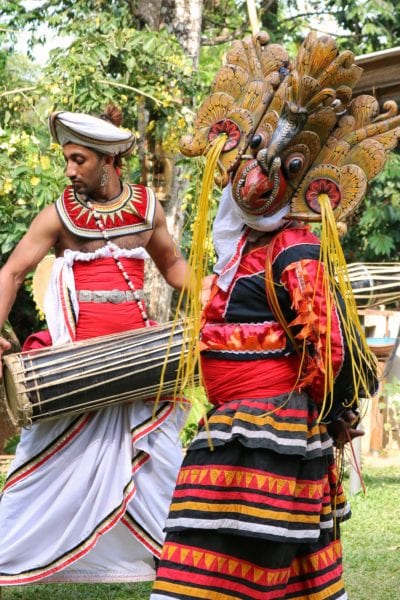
73	378
374	284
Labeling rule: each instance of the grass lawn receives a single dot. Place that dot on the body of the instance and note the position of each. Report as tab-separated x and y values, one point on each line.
105	591
371	542
371	538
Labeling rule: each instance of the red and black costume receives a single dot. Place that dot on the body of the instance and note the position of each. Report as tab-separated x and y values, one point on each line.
257	501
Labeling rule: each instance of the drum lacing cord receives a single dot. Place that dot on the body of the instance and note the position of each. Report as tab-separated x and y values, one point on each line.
113	248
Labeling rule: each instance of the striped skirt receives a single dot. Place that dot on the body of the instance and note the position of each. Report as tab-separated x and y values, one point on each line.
256	510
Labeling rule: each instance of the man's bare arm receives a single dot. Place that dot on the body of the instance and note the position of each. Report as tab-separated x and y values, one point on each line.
165	253
41	236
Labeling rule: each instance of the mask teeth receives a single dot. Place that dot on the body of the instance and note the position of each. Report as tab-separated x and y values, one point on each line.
276	181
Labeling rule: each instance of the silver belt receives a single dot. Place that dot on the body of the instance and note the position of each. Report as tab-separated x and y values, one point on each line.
113	296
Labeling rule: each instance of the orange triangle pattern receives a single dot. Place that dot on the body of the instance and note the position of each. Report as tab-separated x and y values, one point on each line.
326	557
211	561
228	478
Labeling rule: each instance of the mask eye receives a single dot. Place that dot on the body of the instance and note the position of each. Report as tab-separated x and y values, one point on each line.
294	164
256	141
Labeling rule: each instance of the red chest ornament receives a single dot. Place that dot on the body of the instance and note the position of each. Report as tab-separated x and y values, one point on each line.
131	212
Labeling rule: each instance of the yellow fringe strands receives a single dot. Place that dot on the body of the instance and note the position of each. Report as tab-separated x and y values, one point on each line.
198	260
338	292
189	303
273	298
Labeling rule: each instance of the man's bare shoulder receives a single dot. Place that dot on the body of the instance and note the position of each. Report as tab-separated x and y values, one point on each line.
48	215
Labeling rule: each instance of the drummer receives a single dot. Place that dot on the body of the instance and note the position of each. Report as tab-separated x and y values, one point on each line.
86	497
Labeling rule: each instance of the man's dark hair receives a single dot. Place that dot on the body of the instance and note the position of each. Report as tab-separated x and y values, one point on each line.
114	115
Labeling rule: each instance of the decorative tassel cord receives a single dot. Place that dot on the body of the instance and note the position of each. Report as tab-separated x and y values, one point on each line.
301	350
337	285
273	298
200	251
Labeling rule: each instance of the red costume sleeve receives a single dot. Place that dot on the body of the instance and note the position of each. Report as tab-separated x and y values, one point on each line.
303	280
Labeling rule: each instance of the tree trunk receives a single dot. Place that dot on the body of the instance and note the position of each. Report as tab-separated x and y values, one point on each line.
182	18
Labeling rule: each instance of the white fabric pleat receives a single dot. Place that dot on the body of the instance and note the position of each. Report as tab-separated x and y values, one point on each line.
61	503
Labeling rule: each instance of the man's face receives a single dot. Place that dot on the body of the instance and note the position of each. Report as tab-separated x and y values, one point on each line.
84	167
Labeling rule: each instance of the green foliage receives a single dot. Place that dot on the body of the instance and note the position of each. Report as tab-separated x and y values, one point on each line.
115	591
392	389
11	444
374	231
223	20
29	179
359	26
371	542
373	24
134	69
199	408
194	174
108	60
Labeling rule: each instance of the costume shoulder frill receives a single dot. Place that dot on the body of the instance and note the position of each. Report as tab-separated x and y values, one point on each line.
132	212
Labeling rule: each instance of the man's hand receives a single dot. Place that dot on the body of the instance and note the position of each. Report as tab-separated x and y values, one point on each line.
206	286
4	346
345	428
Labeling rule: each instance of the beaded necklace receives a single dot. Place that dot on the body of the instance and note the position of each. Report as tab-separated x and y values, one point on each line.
113	249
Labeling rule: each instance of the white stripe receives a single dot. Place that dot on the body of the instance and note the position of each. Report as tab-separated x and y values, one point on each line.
218	524
221	435
216	435
342	511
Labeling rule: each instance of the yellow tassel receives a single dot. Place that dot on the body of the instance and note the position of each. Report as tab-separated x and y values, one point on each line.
200	252
337	285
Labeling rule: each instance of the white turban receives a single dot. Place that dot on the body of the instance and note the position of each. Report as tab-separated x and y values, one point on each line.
89	131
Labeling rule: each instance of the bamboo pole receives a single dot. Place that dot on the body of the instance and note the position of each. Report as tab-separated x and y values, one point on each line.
252	11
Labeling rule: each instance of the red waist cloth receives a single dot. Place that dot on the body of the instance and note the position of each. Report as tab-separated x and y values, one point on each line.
227	380
104	318
103	274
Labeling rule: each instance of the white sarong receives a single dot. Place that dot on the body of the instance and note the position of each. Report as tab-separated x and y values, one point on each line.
87	496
